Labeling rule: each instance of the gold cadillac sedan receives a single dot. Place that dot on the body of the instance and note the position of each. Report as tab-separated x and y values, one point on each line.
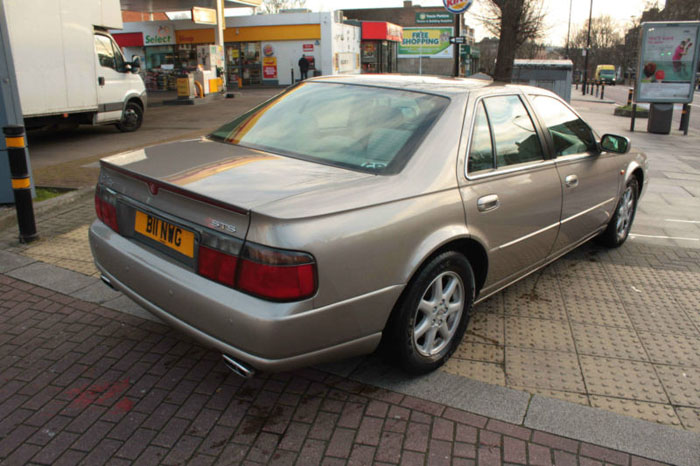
351	209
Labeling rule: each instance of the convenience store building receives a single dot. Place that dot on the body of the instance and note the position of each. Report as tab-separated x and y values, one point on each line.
259	49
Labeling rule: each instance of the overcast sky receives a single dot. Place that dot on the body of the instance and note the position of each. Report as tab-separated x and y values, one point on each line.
557	12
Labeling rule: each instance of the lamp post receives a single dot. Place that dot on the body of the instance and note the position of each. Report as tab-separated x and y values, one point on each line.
588	45
568	29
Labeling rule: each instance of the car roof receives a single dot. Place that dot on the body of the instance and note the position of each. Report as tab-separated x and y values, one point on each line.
443	85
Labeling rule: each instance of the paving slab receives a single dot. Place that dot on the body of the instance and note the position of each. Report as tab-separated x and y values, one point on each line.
9	261
613	431
51	277
440	387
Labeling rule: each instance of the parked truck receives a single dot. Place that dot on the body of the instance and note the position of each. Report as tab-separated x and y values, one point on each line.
69	69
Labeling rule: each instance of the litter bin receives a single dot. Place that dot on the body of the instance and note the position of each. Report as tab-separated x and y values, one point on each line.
660	118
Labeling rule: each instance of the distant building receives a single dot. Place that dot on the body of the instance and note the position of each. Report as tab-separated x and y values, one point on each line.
426	31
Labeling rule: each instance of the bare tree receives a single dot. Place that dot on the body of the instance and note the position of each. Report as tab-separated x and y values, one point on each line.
271	7
515	22
607	44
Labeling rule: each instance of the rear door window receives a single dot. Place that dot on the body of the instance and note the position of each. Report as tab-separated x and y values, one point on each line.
514	134
481	148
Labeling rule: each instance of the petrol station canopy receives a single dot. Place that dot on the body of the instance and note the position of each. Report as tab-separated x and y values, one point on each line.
153	6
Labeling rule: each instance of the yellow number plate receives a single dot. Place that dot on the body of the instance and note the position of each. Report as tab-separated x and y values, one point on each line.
172	236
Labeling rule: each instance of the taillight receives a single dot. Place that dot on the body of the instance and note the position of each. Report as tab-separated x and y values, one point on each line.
217	266
276	274
268	273
106	207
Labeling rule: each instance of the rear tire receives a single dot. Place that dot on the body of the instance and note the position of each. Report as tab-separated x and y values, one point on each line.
131	118
621	223
431	316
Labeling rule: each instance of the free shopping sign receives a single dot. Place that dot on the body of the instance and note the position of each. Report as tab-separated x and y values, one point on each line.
431	42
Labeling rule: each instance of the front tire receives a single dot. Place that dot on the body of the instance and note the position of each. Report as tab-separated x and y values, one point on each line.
131	118
432	315
621	223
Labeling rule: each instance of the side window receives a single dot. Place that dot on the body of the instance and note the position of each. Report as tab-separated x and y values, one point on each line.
569	133
481	150
118	58
105	52
514	133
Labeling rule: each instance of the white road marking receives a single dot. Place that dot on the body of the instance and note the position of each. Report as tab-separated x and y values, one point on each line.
664	237
681	221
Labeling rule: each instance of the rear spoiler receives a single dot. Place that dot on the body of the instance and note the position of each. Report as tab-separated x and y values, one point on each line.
155	185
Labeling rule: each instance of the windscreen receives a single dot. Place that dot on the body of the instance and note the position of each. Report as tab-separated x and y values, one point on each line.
370	129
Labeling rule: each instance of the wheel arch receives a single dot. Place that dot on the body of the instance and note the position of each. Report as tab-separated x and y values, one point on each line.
135	98
634	169
466	245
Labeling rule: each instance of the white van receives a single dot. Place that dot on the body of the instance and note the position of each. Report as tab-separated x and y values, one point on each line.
68	67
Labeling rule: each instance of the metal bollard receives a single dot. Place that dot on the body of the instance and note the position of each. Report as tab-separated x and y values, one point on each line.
602	91
21	184
685	119
630	93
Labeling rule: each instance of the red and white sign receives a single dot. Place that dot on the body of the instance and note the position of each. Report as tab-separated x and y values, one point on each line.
457	6
269	68
308	47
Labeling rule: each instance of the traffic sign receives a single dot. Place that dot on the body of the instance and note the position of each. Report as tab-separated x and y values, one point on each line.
458	39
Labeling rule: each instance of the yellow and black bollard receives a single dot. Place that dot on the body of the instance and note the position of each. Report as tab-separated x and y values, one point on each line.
21	184
685	119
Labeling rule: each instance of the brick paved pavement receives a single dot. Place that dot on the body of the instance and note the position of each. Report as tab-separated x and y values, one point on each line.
82	383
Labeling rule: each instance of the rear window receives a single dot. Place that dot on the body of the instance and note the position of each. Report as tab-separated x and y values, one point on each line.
363	128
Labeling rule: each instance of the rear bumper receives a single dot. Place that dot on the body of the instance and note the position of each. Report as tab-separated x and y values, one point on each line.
267	336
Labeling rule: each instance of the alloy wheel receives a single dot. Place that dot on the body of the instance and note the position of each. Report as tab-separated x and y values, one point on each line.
438	314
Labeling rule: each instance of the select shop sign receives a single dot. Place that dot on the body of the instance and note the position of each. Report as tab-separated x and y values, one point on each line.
159	35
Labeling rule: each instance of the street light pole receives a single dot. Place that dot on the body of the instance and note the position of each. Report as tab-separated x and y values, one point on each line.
588	45
568	30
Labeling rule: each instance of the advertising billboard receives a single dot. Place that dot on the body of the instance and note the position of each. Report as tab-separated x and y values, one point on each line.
433	42
668	60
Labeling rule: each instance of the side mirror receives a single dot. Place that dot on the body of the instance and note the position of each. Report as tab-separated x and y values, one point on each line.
135	63
614	143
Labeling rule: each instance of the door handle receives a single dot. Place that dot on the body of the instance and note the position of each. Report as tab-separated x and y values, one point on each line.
486	203
101	81
571	181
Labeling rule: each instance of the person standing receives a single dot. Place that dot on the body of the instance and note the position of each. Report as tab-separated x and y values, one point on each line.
304	67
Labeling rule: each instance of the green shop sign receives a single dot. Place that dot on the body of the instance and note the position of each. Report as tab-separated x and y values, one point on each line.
154	40
426	42
434	18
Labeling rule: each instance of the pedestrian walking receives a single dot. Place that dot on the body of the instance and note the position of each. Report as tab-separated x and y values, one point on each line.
304	67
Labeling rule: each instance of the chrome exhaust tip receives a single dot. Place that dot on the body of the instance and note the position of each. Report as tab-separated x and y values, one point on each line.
238	367
106	281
